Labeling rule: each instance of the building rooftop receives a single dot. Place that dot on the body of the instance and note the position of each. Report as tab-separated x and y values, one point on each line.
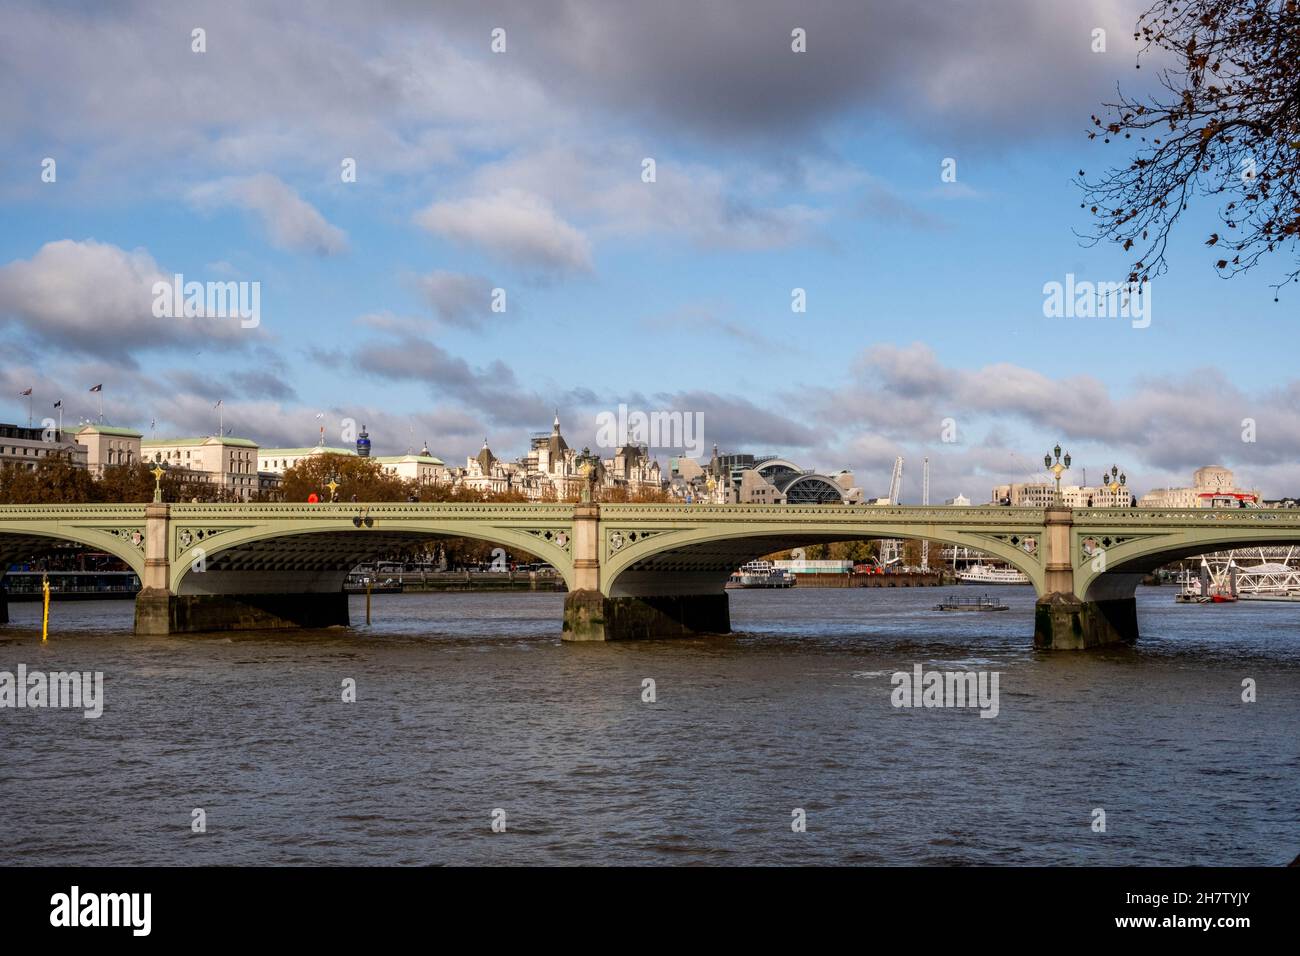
394	459
163	442
109	430
311	449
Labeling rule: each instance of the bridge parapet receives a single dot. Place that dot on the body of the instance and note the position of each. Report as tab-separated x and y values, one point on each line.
1188	517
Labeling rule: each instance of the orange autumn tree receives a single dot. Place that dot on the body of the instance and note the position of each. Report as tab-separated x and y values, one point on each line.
363	477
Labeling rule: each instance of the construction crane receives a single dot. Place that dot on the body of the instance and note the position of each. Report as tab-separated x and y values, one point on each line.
896	482
925	500
890	548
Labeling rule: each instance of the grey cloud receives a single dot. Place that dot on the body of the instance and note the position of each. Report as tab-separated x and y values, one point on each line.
456	298
693	317
737	424
1162	429
727	72
882	203
383	83
236	386
407	88
492	391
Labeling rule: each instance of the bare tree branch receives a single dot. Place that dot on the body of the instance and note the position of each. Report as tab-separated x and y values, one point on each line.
1229	128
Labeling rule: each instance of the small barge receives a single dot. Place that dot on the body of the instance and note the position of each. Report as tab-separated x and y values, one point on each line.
984	603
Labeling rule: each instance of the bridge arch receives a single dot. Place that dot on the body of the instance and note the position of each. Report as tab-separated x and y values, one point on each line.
1113	572
646	560
282	552
32	530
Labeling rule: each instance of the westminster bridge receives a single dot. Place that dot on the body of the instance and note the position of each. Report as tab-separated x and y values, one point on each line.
632	570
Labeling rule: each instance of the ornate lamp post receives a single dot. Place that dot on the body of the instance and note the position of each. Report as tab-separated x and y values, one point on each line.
590	469
1115	485
157	473
333	486
1061	465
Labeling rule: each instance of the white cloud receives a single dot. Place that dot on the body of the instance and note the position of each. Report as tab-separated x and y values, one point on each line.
603	186
512	225
292	223
95	297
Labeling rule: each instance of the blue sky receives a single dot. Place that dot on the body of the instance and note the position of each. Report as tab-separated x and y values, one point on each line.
522	171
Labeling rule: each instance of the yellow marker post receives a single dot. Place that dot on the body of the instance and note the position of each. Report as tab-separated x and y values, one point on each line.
45	617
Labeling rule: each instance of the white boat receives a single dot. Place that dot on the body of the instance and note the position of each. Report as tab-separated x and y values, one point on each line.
760	574
987	574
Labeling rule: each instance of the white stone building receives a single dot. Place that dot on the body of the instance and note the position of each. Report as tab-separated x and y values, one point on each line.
422	468
1087	496
1212	487
276	461
108	445
1027	495
229	463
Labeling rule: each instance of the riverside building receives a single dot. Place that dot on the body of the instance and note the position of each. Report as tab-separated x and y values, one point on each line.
108	445
25	447
1212	487
762	479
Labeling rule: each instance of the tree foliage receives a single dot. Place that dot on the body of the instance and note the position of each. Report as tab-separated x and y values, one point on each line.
363	478
1226	126
56	479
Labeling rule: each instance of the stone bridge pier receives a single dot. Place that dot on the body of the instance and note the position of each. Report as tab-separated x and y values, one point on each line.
671	607
224	599
1062	619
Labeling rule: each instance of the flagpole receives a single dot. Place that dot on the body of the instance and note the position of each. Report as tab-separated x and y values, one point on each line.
101	405
29	408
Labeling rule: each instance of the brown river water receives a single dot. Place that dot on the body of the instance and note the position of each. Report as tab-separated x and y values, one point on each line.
469	703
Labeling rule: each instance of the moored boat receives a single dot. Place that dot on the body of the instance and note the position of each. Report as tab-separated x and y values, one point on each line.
987	574
759	574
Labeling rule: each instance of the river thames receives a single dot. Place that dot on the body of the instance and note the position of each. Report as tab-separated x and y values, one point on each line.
469	703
